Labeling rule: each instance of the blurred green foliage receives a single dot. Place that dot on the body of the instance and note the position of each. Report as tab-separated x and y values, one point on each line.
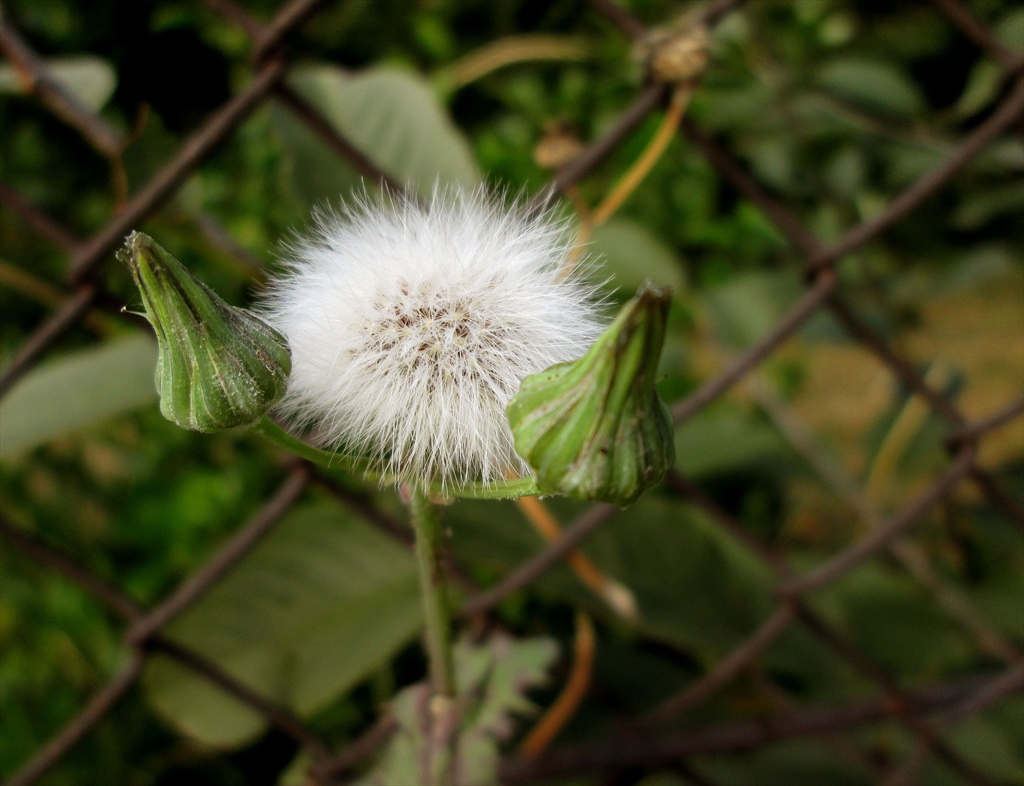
835	106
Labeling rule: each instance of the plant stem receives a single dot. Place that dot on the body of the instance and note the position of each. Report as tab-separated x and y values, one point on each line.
636	173
504	489
426	525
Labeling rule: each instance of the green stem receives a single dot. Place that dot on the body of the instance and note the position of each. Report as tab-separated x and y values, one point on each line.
506	489
426	524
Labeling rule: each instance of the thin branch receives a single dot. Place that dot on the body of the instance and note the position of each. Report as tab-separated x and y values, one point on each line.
234	13
624	20
790	226
727	669
998	497
116	600
316	121
68	737
616	595
900	367
512	50
359	749
1011	681
284	22
194	587
640	168
1001	119
219	237
131	611
540	563
972	431
36	81
41	223
191	154
572	694
598	152
652	750
829	635
47	334
885	534
969	25
800	313
278	716
360	504
912	556
717	10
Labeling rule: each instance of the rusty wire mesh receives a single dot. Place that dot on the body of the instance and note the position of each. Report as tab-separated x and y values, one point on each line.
924	713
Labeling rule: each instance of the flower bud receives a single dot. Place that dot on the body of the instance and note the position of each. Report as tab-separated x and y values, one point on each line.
596	428
559	146
218	366
676	53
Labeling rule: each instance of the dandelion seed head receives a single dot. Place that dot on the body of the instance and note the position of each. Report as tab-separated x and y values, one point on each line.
412	325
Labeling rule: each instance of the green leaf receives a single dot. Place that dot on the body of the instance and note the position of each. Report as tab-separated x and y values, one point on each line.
1010	31
745	308
499	673
311	612
1000	158
980	208
80	389
872	85
846	172
631	255
90	79
792	762
982	86
295	774
695	588
988	747
997	563
492	681
724	438
738	106
391	115
897	623
317	173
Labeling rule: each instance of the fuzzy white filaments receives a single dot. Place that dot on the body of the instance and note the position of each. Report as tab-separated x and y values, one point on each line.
412	325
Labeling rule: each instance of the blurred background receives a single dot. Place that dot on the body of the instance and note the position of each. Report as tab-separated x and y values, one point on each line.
833	107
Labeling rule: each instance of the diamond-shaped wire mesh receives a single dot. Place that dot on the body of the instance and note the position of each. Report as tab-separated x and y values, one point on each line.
923	712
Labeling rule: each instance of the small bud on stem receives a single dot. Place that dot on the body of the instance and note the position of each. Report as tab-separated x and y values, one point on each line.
596	428
218	366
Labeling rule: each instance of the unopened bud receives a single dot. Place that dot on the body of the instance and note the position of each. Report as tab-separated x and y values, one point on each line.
218	366
596	428
558	147
677	53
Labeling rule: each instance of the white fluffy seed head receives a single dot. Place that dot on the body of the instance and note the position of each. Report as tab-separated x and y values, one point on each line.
411	327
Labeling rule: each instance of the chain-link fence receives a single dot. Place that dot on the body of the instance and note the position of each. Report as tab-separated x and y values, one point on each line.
924	713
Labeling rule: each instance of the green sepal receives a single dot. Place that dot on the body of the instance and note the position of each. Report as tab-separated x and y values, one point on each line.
218	366
596	429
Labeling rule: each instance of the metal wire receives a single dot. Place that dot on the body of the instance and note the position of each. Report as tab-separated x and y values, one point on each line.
923	713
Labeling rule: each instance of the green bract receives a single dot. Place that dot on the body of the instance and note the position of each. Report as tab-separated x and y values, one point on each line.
218	366
596	428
